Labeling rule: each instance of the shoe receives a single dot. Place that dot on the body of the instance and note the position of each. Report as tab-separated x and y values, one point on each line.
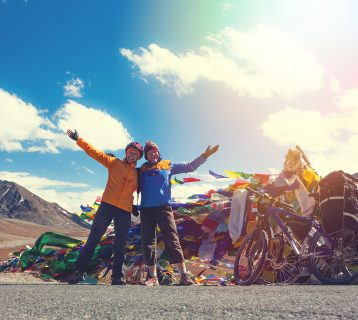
118	282
185	280
150	282
166	279
76	277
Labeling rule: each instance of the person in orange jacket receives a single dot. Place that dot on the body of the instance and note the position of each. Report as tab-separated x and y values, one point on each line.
117	205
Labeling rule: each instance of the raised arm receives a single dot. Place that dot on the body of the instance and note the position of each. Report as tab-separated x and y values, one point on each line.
195	164
94	153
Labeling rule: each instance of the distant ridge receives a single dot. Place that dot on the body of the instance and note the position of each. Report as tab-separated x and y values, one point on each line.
16	202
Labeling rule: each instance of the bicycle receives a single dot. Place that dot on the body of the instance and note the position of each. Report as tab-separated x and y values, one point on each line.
332	259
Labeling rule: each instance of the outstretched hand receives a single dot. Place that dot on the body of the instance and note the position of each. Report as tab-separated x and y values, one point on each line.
73	135
210	151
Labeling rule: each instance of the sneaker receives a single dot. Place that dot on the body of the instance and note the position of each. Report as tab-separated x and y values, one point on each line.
185	280
166	279
76	277
118	282
152	281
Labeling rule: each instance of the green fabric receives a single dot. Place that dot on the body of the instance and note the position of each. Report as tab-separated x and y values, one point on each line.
67	262
202	209
64	265
185	211
45	276
178	181
194	211
83	215
245	175
61	263
47	239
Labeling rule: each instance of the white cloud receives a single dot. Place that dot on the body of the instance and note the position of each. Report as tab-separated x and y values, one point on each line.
49	146
61	192
181	192
342	156
88	170
330	140
260	63
304	128
9	160
19	122
70	201
73	88
110	134
349	100
227	6
8	1
29	181
335	85
33	132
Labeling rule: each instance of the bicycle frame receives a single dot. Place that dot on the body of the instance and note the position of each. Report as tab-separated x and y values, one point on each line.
274	213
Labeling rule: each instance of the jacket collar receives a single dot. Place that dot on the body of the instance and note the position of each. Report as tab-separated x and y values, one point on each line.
152	164
129	164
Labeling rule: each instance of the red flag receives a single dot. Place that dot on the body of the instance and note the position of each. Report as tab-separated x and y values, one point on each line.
186	180
239	183
263	178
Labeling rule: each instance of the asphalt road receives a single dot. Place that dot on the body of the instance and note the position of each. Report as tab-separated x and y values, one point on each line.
51	301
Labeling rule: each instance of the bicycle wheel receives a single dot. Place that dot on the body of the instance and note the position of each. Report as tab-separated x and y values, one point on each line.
281	265
335	261
250	258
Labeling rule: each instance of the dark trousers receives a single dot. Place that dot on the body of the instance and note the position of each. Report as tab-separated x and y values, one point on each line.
162	216
122	219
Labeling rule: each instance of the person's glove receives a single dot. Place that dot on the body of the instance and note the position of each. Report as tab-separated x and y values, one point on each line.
135	211
110	154
73	135
210	151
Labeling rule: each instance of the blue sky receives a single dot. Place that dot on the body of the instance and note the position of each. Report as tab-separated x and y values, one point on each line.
256	77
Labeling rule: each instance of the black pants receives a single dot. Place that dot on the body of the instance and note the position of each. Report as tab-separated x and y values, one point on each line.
163	216
122	219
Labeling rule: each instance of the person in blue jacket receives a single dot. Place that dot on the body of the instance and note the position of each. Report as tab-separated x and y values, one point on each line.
155	208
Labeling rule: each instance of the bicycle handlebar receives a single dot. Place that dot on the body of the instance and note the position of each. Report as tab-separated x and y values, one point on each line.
272	201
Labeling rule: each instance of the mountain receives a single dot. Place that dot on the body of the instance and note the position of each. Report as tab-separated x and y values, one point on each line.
355	175
16	202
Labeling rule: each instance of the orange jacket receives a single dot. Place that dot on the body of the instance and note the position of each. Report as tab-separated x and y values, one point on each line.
122	177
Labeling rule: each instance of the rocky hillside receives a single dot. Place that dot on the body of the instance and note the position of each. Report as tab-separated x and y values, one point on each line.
16	202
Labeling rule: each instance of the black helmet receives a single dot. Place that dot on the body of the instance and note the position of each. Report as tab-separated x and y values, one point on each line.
137	146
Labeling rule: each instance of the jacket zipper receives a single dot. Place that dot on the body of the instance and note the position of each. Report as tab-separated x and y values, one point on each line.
126	181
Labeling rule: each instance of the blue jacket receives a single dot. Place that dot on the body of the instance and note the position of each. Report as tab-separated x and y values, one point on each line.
155	180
